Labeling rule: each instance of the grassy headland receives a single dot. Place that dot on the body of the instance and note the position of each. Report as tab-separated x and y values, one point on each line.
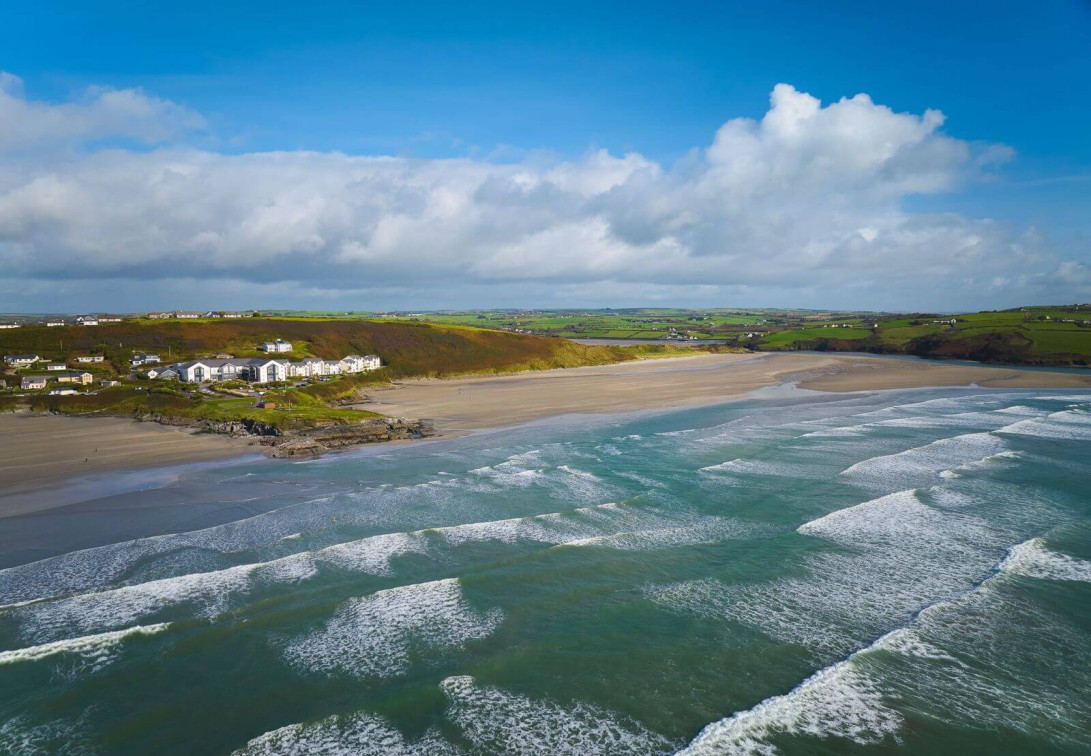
407	349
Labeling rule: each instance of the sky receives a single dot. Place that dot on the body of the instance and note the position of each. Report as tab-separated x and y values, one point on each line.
377	156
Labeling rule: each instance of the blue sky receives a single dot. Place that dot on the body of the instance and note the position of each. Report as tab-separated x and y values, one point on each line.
548	85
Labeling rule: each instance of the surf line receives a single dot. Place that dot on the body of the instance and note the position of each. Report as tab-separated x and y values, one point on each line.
713	734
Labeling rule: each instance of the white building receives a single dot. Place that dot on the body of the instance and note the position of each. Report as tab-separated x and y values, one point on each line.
56	366
276	346
354	363
144	359
54	323
257	370
265	370
188	315
87	320
7	326
21	360
34	382
89	358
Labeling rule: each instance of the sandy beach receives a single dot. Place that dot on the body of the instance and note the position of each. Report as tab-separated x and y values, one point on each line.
39	452
462	404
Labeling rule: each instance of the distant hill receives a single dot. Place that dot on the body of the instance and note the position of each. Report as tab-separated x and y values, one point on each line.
1044	336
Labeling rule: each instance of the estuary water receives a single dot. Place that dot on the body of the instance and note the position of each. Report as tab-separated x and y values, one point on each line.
893	572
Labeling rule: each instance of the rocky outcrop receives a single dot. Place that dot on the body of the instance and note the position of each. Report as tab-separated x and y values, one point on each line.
238	428
311	442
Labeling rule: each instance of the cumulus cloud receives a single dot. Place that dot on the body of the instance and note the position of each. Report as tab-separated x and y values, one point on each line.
98	114
808	199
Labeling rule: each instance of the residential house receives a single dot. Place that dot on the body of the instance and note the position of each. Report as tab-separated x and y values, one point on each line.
158	315
163	373
276	346
87	320
144	359
34	382
63	392
108	384
233	315
83	379
90	358
21	360
54	323
109	318
7	326
188	315
56	366
212	314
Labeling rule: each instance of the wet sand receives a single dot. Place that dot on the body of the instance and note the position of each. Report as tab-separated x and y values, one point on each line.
41	452
38	453
462	404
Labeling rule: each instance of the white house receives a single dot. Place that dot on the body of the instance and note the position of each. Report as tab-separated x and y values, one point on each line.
233	315
276	346
54	323
63	392
87	320
34	382
90	358
158	315
188	315
56	366
162	373
144	359
7	326
21	360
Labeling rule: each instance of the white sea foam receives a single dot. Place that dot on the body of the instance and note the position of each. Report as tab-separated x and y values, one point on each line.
838	701
1033	559
1074	425
711	530
352	735
762	467
20	736
902	554
497	721
376	635
922	465
94	650
212	593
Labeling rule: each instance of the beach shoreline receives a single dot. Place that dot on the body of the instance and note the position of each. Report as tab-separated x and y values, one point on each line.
40	453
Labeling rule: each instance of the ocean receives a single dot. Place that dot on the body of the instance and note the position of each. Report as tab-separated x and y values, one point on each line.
878	572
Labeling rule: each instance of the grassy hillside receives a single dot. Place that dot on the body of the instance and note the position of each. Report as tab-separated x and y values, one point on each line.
409	349
1058	336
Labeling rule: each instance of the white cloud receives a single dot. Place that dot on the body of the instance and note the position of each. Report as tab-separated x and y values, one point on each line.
806	202
98	114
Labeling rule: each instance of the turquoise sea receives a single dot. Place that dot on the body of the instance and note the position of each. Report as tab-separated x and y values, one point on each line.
899	572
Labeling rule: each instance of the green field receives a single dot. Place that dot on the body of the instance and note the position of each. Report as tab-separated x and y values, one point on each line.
1030	335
